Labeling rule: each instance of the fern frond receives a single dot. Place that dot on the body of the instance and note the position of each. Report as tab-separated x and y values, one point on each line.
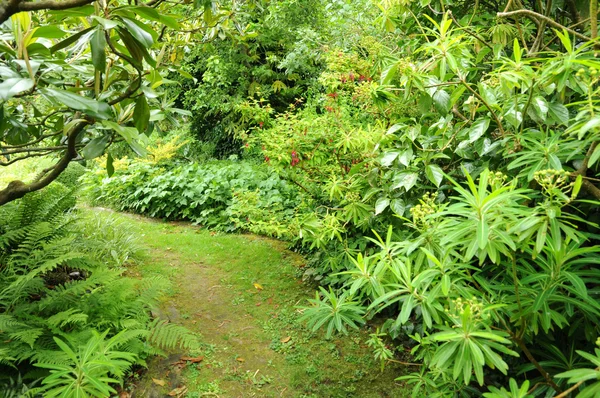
169	336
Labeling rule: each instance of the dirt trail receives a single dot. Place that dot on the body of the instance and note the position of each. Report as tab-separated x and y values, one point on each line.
239	293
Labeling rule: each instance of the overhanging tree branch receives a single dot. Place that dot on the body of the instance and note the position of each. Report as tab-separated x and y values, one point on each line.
10	7
538	18
18	189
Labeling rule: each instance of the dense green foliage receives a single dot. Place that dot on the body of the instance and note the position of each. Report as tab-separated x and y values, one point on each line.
226	195
66	307
436	161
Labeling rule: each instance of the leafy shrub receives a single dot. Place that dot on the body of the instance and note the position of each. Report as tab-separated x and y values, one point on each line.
210	194
481	164
70	177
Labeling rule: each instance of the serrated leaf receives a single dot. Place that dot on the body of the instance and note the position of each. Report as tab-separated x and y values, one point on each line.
435	174
478	129
398	206
388	158
441	100
381	204
406	180
406	156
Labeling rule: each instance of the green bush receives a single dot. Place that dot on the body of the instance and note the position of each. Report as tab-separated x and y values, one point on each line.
70	177
214	194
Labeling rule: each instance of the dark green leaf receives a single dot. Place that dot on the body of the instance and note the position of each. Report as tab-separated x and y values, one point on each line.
141	114
95	147
110	168
140	34
70	40
97	44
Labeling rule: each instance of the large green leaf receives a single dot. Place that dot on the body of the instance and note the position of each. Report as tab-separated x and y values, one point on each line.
91	107
14	86
138	32
141	114
70	40
95	147
441	100
97	44
435	174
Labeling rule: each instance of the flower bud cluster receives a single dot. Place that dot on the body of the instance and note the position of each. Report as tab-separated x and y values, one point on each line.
426	208
551	179
353	197
497	179
475	307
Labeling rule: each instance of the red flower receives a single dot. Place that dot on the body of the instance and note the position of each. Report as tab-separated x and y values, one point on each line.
260	124
246	145
267	159
332	95
294	154
329	109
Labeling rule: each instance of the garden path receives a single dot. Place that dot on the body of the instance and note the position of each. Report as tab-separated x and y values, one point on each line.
240	294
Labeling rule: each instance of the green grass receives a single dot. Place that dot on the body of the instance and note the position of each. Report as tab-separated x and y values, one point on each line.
239	293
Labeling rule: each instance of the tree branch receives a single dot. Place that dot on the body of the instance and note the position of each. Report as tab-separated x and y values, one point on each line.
18	189
539	17
10	7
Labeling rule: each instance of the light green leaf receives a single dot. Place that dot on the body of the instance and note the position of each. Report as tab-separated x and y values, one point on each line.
97	109
435	174
14	86
381	204
441	100
478	128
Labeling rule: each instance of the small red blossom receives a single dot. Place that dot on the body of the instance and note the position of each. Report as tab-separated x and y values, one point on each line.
267	159
294	154
329	109
261	124
332	95
247	145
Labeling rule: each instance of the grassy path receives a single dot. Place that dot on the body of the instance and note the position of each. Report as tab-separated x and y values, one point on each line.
239	293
